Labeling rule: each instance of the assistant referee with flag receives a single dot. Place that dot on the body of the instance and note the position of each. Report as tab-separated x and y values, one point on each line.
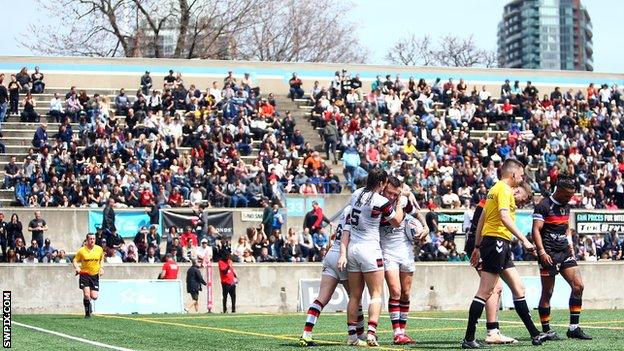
88	265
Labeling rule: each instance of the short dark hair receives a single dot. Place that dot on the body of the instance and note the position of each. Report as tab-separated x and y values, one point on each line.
394	181
566	182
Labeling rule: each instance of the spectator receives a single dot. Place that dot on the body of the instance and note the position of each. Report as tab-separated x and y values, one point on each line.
108	217
150	256
56	108
146	83
248	257
296	92
24	80
291	251
131	253
20	250
122	103
111	256
38	85
4	100
194	282
46	251
37	226
313	220
29	114
14	89
204	253
40	138
265	256
62	258
267	217
239	250
31	257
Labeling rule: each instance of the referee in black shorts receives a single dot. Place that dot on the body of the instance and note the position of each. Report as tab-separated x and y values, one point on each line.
88	265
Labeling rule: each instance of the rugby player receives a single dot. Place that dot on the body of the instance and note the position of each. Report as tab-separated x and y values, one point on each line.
553	241
397	246
330	278
522	195
360	252
88	265
492	243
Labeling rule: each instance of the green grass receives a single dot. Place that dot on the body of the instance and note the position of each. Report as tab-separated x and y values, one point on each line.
432	330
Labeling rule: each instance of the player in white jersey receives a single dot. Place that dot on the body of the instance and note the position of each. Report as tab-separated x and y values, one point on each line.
360	252
331	276
397	246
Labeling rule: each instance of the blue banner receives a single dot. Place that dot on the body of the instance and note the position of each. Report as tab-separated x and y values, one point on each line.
139	296
127	223
524	222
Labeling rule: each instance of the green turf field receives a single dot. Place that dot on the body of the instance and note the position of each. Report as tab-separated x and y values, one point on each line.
432	330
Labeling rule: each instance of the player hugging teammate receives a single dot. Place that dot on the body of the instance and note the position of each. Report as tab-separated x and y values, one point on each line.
374	236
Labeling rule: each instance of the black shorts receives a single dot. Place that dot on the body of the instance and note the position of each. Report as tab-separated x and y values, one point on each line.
194	295
496	255
561	260
89	281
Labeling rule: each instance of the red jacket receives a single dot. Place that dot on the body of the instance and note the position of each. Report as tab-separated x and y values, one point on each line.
227	273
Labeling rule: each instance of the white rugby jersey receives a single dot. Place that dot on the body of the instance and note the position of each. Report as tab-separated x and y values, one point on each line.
343	223
366	215
397	238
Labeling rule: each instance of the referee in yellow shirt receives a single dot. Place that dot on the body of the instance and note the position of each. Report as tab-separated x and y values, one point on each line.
492	244
88	264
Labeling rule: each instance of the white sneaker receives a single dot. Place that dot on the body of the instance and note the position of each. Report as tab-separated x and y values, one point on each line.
497	337
356	342
371	340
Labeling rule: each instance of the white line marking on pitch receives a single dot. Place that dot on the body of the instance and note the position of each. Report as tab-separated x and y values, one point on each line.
95	343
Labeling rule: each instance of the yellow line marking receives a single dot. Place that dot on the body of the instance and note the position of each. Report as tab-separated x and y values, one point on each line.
603	322
234	331
390	331
566	325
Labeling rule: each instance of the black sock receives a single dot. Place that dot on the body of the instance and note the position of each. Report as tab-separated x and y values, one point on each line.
87	306
476	309
576	305
522	309
491	325
544	313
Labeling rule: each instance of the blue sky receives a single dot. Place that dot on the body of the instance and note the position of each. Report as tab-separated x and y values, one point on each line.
379	23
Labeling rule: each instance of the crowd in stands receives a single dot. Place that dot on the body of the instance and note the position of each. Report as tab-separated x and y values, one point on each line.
173	144
421	132
174	147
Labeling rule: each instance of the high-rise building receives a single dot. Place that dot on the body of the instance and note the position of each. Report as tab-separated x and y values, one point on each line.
545	34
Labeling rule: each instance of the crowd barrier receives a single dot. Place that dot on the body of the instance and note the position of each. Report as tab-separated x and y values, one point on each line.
49	288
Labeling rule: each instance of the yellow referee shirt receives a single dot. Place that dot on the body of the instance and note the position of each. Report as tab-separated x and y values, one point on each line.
499	197
89	259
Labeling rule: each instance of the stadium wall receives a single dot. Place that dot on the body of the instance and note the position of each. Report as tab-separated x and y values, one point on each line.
114	73
273	288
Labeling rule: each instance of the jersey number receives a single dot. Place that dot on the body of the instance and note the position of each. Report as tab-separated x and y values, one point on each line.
339	232
355	217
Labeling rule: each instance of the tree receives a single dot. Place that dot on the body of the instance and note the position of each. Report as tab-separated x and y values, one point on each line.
134	28
450	51
297	31
412	51
271	30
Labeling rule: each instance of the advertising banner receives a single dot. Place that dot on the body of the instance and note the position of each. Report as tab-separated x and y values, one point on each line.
127	223
309	288
222	221
596	222
142	296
